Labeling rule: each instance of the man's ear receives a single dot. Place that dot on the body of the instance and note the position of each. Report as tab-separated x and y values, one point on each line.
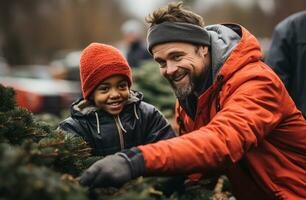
204	51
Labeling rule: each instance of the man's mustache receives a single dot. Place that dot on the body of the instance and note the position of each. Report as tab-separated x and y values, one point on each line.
177	74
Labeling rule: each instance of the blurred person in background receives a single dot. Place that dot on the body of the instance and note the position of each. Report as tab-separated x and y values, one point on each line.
134	47
287	56
110	116
234	114
4	67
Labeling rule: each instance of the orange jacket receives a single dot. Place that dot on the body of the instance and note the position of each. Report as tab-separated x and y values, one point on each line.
258	137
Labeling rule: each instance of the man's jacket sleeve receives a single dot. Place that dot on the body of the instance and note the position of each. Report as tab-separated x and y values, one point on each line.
247	115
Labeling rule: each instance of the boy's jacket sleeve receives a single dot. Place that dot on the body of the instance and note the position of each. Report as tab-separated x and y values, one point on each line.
156	126
70	126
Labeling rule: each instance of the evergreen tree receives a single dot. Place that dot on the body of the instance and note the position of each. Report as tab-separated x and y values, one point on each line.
20	179
38	162
33	157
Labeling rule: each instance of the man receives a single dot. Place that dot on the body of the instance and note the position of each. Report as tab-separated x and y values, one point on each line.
236	114
287	56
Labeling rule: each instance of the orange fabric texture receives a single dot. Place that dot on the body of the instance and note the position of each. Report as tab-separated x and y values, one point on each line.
258	123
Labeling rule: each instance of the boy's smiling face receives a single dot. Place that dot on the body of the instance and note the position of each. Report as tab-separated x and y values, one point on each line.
112	94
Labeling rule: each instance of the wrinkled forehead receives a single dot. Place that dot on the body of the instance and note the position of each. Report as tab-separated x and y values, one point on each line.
166	49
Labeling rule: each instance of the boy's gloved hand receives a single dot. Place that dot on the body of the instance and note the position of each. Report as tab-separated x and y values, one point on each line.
114	170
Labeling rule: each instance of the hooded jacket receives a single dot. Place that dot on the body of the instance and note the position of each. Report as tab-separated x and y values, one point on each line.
138	123
287	56
245	125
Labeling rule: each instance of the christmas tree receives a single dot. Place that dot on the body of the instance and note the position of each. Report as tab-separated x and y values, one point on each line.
36	162
39	162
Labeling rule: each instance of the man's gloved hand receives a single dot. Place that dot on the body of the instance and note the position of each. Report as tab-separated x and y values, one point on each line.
114	170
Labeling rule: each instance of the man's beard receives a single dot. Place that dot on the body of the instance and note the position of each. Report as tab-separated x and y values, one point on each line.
194	84
182	92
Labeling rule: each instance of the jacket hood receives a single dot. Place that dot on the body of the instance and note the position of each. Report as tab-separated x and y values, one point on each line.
233	47
223	41
85	107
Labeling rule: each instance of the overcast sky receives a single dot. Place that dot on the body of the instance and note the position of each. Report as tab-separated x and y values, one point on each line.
140	8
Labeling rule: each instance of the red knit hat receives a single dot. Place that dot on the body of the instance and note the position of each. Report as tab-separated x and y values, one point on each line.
98	62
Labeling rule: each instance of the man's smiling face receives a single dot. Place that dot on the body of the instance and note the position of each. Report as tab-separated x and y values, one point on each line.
182	64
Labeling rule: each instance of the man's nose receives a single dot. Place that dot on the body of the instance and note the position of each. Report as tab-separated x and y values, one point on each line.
171	68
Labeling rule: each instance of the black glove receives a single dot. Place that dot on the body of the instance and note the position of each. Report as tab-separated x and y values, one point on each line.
114	170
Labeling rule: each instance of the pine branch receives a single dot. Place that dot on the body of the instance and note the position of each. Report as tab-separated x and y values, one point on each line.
30	181
7	99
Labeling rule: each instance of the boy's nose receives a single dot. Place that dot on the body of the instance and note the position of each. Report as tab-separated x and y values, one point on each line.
114	93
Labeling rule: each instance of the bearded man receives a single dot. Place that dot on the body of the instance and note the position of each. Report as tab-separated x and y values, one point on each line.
234	114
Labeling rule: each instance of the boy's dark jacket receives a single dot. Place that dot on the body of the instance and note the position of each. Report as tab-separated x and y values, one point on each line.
138	123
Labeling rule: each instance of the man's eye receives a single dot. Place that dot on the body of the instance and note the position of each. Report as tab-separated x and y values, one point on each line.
162	64
176	57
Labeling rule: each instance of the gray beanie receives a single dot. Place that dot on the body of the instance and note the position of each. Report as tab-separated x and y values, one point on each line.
177	32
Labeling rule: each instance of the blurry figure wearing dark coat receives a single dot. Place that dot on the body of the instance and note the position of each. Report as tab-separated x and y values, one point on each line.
136	51
287	56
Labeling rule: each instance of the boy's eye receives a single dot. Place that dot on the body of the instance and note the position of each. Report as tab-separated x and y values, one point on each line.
123	85
103	88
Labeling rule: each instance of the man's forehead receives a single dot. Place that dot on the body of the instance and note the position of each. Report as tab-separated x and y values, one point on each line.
171	47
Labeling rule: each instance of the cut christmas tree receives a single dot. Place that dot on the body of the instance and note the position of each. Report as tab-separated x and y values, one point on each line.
39	162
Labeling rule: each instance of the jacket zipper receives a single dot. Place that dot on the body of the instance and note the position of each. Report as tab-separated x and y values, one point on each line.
120	133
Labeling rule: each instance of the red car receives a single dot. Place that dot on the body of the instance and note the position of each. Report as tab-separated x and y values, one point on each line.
38	92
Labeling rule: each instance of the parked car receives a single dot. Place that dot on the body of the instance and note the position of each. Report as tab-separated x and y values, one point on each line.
38	92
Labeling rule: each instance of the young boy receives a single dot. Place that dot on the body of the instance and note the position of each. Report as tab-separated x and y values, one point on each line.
110	116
